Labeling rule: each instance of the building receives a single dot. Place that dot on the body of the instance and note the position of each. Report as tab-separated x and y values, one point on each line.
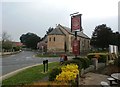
17	44
42	45
60	40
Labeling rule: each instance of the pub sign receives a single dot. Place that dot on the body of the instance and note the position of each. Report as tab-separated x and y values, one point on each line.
76	47
76	23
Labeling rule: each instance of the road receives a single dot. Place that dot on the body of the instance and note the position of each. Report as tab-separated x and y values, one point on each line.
20	60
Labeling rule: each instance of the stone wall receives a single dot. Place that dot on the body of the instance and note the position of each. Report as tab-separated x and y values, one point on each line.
56	43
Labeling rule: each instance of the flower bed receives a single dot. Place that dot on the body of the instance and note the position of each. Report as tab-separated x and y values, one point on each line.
68	74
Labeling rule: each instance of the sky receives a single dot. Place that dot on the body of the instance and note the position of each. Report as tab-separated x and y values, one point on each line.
36	16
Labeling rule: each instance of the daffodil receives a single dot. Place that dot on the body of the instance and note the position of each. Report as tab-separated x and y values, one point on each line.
69	73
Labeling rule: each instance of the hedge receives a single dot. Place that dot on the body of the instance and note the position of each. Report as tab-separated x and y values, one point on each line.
101	59
17	48
117	61
85	62
79	63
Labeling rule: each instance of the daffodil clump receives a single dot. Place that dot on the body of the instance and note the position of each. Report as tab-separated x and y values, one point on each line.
69	73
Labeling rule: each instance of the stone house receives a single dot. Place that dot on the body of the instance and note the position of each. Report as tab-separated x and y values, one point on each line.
42	45
60	40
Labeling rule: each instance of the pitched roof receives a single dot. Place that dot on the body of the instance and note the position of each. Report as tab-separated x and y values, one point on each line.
56	31
66	28
81	34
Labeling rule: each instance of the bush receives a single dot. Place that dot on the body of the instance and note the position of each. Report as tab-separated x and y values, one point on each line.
85	62
101	59
74	62
88	62
53	73
69	73
17	48
117	61
90	56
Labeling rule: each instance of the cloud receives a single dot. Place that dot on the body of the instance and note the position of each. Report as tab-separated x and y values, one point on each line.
38	15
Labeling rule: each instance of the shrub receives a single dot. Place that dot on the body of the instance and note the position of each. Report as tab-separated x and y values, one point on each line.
117	61
17	48
69	73
90	56
74	62
85	62
101	59
88	62
53	73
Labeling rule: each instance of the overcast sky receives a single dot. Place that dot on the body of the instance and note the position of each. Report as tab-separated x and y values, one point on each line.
36	16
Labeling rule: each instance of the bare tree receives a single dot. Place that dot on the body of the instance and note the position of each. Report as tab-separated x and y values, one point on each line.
5	36
6	41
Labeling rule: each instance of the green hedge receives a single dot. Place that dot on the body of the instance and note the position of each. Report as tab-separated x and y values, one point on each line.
101	59
17	48
79	63
117	61
85	62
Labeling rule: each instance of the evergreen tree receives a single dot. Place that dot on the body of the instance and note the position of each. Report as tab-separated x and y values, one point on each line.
30	40
102	37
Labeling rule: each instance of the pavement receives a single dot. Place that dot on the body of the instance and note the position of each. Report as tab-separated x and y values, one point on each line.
93	79
8	53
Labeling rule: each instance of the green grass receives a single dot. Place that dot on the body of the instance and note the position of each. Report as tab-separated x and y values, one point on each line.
47	55
29	75
98	53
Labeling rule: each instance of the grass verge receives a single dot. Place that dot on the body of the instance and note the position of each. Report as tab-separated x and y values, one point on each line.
47	55
30	75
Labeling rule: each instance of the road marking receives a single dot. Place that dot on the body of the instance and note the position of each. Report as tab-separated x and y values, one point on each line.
28	57
12	55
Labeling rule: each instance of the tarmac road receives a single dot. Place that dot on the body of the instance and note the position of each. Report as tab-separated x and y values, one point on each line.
23	59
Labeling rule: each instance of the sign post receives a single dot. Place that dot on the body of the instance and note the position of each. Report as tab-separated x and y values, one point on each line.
76	47
76	27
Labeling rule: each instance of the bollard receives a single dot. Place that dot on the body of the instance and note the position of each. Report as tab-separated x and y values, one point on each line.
47	65
44	65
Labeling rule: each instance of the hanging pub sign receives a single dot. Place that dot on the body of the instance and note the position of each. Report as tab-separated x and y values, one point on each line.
76	23
76	47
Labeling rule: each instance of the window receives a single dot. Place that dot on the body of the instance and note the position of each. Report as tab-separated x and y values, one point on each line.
50	39
54	38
